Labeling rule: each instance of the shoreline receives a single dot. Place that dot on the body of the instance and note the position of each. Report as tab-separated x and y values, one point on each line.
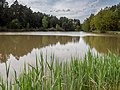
48	30
36	30
107	32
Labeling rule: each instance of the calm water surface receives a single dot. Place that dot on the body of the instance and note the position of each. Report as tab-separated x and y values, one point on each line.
20	48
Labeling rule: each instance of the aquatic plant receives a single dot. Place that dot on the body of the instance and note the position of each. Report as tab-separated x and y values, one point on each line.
93	73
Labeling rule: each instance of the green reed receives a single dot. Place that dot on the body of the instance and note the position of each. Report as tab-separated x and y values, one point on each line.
94	72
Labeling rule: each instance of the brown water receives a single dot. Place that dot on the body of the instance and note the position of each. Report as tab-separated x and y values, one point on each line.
20	46
17	48
63	45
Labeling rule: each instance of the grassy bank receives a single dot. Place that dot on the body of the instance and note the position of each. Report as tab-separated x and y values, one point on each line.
93	73
107	32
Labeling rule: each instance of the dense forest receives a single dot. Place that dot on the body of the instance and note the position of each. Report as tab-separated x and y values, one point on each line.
107	19
18	17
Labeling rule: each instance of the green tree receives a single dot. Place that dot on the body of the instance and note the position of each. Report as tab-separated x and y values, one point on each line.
58	28
27	26
44	22
53	21
62	20
86	25
14	24
3	12
77	28
77	24
105	21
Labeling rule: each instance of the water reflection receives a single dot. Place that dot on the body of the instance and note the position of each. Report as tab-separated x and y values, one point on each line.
18	50
19	46
62	46
104	43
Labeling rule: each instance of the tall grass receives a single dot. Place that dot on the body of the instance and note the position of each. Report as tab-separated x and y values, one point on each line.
93	73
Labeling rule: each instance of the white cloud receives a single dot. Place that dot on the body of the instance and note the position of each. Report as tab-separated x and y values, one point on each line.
76	8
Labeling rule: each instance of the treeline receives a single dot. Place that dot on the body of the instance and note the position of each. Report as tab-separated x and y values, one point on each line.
108	19
18	17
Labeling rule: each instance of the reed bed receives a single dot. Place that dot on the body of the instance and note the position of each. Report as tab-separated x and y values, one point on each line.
94	72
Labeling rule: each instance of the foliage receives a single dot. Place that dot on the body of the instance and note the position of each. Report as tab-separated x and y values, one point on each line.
58	28
27	26
107	19
86	25
77	25
78	28
92	73
45	22
30	20
14	24
53	21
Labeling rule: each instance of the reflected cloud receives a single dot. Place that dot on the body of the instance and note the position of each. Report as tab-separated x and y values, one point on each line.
62	52
63	48
19	46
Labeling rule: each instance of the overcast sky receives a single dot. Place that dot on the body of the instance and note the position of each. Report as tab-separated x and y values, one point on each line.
79	9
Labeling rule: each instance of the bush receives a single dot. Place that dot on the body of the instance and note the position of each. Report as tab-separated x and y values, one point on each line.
14	24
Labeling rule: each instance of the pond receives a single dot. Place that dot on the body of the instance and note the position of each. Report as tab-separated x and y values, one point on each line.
20	48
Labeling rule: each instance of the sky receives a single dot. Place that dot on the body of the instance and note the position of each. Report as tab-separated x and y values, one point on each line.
79	9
